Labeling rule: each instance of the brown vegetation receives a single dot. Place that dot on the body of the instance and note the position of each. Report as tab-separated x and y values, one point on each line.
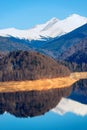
24	65
32	103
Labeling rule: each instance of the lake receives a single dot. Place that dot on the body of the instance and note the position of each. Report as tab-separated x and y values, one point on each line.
59	108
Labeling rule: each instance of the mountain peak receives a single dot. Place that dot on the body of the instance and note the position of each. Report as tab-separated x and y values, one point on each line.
77	16
53	20
50	23
74	15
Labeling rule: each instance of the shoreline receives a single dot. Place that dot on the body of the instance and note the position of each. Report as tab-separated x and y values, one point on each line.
42	84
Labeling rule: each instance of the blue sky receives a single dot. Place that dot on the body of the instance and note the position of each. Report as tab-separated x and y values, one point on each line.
23	14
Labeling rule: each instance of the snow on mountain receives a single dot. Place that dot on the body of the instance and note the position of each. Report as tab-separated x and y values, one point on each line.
68	105
51	28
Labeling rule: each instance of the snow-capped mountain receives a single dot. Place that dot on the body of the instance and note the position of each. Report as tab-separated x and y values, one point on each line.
51	28
68	105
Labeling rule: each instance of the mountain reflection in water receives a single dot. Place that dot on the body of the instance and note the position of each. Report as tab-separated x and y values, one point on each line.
32	103
79	91
76	102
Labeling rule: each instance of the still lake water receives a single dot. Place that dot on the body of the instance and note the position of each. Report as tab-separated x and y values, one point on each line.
33	110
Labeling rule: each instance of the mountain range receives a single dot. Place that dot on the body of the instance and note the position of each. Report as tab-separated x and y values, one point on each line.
59	45
64	40
51	28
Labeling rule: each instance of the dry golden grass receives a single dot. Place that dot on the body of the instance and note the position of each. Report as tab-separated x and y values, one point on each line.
43	84
79	75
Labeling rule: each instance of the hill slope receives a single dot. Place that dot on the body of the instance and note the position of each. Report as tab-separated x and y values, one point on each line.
60	45
24	65
76	56
8	44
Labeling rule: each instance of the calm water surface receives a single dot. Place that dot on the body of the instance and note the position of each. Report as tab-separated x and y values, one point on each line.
32	110
50	121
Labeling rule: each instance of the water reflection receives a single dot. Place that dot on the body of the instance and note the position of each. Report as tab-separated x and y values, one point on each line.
79	91
76	102
68	105
32	103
